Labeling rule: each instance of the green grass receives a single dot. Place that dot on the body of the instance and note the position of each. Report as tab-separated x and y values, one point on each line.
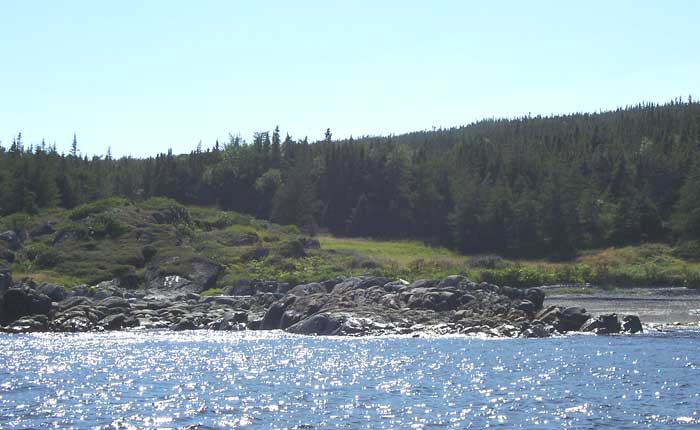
644	265
212	292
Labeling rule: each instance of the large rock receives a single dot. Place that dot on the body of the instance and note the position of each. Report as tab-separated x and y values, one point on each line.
603	324
306	289
23	301
114	302
200	275
12	239
319	324
113	322
5	279
232	321
205	273
632	324
42	230
55	292
572	319
273	317
7	255
536	296
30	324
72	302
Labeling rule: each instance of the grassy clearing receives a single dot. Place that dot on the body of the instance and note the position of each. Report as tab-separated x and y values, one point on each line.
651	265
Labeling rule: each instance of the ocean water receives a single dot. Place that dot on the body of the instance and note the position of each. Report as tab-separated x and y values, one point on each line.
269	380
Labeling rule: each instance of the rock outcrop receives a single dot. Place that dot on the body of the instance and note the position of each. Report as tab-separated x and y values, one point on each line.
344	306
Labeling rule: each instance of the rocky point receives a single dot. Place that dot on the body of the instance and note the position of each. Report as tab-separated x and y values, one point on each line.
353	306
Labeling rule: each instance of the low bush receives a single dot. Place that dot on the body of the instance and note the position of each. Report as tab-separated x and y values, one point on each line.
148	252
106	225
520	277
97	207
291	249
487	262
17	222
43	256
227	219
691	278
688	250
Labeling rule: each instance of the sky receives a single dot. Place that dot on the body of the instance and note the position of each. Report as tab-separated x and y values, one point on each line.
140	77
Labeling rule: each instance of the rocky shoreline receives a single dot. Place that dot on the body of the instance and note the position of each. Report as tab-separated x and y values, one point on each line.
355	306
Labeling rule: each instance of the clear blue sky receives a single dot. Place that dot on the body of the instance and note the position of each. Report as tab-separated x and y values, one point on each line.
142	76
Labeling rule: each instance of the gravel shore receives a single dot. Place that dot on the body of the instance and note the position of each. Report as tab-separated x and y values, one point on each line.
652	305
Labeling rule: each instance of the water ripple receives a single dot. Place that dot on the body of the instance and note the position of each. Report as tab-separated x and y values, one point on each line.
201	380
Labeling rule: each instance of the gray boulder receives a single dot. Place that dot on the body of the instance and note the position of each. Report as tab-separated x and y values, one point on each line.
306	289
113	322
75	324
572	319
5	279
114	302
603	324
7	255
319	324
42	230
23	301
30	324
632	324
205	273
12	239
72	302
184	324
536	296
55	292
233	321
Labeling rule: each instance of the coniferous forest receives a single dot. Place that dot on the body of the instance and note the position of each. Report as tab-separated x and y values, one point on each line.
525	187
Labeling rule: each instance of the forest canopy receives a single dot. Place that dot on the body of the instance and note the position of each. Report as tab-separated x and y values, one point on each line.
525	187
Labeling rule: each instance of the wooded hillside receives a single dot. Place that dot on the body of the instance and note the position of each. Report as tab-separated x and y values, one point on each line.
533	186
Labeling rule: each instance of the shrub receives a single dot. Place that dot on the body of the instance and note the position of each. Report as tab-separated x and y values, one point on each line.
148	252
520	277
689	250
290	229
71	230
573	274
291	249
126	275
106	225
691	278
158	203
227	219
487	262
16	221
42	255
96	207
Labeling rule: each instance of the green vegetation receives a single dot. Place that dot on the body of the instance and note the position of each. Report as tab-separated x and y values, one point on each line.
645	265
532	187
120	238
212	292
611	198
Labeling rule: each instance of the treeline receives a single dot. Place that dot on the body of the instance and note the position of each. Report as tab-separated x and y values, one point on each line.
528	187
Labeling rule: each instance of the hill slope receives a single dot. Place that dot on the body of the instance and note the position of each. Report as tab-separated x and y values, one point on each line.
159	243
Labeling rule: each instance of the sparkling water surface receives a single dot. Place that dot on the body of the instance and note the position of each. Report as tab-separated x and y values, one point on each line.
207	380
